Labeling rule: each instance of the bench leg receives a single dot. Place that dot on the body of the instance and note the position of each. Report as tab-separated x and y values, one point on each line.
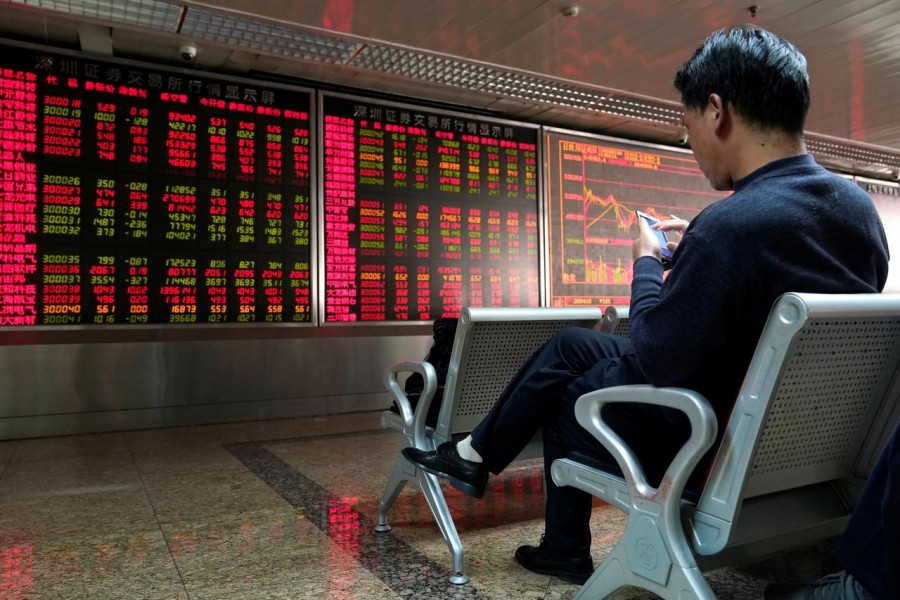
607	578
643	560
434	495
430	487
400	474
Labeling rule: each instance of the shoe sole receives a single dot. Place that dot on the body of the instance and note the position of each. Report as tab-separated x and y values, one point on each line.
569	578
464	486
566	576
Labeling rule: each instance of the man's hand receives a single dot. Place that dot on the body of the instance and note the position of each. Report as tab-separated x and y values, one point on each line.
647	243
672	225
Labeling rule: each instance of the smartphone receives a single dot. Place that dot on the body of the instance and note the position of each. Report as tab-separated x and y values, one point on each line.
665	253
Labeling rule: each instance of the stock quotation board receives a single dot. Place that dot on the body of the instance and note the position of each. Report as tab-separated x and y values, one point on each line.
594	187
132	195
425	212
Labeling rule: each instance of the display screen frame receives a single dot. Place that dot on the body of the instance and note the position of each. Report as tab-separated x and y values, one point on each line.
310	95
552	246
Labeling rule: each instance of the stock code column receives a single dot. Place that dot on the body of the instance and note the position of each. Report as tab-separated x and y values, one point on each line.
18	204
135	195
426	212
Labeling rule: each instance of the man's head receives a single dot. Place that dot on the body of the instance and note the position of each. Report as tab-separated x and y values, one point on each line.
746	94
756	73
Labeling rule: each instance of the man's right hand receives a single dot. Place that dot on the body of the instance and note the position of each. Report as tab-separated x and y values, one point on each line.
673	225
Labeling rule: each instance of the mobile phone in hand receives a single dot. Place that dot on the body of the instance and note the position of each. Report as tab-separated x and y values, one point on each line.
665	253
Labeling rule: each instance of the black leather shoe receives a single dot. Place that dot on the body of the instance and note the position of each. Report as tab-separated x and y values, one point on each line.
466	476
538	559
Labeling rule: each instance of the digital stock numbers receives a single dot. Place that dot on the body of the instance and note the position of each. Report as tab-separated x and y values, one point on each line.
426	212
134	195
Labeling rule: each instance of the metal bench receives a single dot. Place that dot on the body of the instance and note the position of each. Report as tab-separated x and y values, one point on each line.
490	346
819	399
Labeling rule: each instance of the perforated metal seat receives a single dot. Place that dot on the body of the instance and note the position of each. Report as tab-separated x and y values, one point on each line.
817	404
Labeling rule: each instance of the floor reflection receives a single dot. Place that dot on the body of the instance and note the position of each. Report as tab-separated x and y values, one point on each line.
16	574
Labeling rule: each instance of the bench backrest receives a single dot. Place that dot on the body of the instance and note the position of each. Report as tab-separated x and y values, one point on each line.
818	382
490	346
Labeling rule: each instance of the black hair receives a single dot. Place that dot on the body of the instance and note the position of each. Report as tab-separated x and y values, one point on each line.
758	74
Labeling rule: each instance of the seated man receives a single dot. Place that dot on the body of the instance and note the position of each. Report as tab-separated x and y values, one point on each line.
790	225
868	549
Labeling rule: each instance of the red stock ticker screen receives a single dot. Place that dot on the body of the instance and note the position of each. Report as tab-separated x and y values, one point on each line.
131	195
594	187
426	212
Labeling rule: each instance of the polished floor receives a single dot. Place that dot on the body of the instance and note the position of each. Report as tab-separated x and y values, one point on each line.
272	510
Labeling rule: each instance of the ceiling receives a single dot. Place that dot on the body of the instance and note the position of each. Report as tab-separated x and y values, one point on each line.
593	65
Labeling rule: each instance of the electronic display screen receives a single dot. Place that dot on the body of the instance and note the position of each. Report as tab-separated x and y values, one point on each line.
425	212
886	197
132	194
594	186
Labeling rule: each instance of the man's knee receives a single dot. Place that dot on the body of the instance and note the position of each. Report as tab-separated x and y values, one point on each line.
583	350
577	339
570	335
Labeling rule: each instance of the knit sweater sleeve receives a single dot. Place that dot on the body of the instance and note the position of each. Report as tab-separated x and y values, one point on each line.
676	325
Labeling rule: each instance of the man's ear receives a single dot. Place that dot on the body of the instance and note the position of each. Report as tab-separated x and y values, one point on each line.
719	113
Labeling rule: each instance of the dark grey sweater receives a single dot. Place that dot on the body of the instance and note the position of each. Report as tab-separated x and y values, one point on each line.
790	226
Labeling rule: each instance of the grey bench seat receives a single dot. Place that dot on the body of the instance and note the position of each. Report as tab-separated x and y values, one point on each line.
817	404
490	346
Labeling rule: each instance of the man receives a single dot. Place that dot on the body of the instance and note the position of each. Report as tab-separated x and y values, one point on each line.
868	549
790	225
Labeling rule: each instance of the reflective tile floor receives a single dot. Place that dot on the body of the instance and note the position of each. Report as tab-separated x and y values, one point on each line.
277	509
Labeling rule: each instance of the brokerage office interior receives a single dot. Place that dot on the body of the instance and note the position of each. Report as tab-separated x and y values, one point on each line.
164	417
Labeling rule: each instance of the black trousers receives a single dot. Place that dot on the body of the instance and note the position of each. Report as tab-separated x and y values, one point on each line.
869	547
542	395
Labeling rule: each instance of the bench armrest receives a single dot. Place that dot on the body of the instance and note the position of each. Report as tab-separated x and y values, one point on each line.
693	405
653	552
413	420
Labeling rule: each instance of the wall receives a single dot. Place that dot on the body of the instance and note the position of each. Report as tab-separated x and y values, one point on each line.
70	382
